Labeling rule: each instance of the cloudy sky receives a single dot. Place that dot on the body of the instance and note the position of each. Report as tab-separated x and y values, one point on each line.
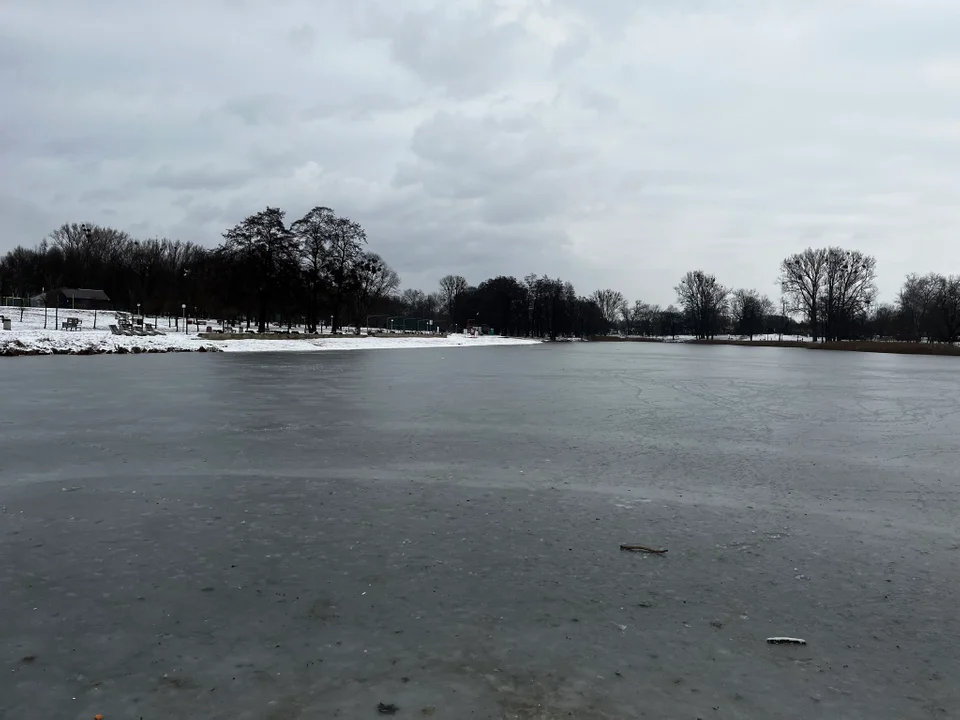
614	143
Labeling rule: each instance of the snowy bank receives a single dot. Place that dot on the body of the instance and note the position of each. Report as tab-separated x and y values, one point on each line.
364	342
28	337
96	342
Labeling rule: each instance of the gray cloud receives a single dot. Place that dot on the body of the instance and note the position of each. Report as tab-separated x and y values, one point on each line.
303	37
462	49
614	144
260	109
203	178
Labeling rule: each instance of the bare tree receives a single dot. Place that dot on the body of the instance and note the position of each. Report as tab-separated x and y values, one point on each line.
264	243
801	280
451	288
651	319
749	310
313	233
373	280
611	304
916	303
948	308
641	318
90	243
645	318
17	267
413	301
552	306
883	321
431	306
671	322
347	239
784	316
704	302
631	322
849	288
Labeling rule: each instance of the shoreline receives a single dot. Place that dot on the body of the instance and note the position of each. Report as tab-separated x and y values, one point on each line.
890	347
43	343
18	349
281	335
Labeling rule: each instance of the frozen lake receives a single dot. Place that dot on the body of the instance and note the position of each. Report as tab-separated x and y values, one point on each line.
306	535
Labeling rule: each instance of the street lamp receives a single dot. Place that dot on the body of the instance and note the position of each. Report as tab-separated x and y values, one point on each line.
183	307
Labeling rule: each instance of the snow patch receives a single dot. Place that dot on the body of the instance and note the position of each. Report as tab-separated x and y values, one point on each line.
28	337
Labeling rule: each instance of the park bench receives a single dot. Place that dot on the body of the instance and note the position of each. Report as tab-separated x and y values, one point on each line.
71	324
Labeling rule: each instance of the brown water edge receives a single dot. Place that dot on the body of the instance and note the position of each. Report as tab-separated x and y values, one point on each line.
617	338
874	346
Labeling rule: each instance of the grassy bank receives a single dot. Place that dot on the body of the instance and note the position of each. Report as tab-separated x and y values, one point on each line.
874	346
881	346
617	338
754	343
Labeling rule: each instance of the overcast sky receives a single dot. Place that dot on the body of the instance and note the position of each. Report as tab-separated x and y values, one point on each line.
614	143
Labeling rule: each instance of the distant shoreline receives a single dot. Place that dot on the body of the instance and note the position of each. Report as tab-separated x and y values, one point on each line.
893	347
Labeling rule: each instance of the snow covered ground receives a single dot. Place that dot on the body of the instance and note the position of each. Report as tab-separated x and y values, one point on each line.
28	337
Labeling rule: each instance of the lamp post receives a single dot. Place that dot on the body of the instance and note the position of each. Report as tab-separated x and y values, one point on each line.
183	306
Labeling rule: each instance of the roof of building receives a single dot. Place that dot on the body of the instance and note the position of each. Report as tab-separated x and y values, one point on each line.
83	294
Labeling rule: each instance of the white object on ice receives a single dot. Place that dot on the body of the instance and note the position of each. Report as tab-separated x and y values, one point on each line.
786	641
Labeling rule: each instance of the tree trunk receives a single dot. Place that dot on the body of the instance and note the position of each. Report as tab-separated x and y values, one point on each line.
262	314
314	318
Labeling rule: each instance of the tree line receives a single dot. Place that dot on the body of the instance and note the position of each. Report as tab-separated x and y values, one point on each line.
314	271
317	270
826	293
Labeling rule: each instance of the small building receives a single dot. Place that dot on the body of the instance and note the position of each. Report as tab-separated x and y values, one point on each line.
79	299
